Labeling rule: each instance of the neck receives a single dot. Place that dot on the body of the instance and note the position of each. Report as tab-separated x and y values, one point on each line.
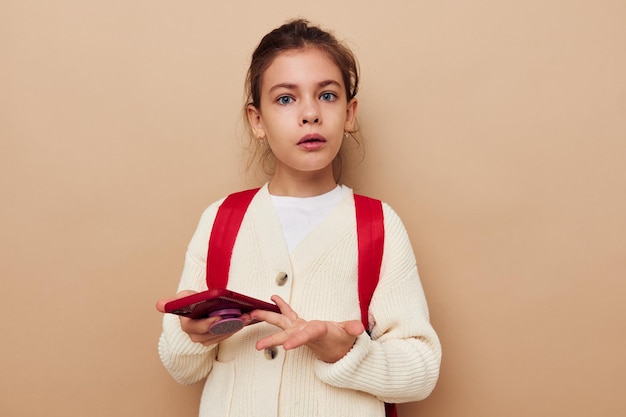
305	185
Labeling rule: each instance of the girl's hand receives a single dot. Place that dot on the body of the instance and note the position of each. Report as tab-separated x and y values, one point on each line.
198	329
329	340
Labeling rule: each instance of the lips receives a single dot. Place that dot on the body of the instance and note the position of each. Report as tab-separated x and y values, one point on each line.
311	139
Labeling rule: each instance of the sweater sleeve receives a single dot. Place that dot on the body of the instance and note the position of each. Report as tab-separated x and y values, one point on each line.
187	361
400	361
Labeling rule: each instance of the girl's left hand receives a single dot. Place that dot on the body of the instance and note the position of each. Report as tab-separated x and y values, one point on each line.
329	340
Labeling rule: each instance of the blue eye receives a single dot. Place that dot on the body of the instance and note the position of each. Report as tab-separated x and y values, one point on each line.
328	97
284	100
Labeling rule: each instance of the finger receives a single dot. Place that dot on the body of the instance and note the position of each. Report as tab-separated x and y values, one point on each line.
276	339
279	320
160	304
313	330
247	319
197	326
210	339
285	308
353	327
294	337
198	330
267	316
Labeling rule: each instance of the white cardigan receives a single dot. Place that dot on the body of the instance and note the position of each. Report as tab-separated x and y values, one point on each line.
398	363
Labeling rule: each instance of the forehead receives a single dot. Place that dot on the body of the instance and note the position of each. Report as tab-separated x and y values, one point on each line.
301	67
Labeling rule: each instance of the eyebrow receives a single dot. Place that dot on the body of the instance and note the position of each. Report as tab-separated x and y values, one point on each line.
290	86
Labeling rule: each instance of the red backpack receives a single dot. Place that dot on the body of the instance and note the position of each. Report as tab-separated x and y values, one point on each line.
370	234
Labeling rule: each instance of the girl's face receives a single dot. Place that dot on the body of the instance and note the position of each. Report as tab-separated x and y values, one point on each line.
303	114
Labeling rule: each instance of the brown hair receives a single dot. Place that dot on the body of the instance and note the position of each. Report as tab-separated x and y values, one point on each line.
297	34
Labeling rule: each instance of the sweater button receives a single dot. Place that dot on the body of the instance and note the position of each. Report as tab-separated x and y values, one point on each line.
281	278
270	353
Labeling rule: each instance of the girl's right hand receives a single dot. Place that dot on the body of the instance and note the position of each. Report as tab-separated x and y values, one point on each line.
198	329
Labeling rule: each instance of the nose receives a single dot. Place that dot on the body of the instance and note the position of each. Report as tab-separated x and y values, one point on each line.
310	113
306	120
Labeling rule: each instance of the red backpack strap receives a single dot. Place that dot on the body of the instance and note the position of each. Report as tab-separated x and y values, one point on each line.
391	410
371	238
370	229
223	234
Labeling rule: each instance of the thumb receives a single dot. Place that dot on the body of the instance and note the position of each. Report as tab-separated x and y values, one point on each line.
160	304
354	327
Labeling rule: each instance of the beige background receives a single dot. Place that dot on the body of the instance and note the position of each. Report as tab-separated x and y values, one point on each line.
496	129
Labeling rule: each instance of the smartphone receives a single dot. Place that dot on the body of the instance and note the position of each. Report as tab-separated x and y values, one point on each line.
217	302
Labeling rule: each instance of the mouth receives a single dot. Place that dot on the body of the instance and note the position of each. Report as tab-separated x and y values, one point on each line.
311	139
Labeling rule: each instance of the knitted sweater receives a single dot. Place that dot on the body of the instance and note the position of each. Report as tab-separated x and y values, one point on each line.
399	362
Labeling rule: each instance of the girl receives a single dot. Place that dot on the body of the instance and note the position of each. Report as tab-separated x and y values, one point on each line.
298	245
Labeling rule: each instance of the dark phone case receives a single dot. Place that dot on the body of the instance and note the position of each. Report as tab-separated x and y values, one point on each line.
200	305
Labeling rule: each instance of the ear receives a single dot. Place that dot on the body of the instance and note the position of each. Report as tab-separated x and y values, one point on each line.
351	115
254	118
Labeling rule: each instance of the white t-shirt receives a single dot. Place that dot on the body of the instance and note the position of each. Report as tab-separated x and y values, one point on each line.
299	215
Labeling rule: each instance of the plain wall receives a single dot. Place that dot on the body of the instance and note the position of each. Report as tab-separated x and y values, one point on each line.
496	129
